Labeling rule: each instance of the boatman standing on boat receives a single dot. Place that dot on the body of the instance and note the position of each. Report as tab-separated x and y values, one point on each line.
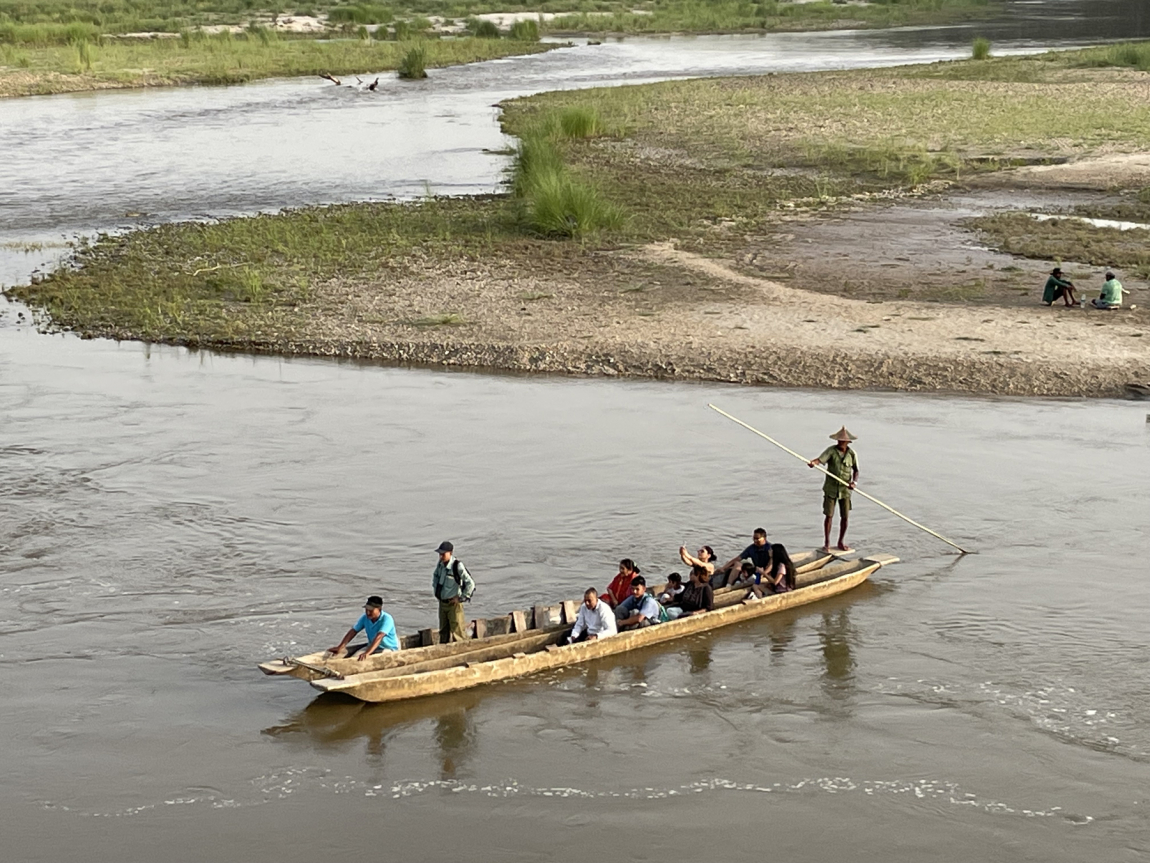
841	462
453	586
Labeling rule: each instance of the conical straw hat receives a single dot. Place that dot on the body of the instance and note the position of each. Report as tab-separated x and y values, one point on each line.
843	434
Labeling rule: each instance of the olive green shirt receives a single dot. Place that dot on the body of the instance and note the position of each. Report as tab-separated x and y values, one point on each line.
840	464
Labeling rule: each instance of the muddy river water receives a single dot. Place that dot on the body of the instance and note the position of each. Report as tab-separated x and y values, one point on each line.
168	519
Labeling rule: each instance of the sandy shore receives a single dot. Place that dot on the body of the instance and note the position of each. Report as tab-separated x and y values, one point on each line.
665	313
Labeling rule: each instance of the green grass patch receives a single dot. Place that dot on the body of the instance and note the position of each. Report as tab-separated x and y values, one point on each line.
1066	240
413	66
223	59
643	16
980	49
524	31
254	278
1131	55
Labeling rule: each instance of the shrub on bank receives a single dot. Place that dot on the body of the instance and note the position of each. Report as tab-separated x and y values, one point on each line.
555	203
980	50
524	31
413	66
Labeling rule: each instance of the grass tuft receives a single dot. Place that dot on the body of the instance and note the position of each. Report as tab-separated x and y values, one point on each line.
524	31
485	29
559	205
413	66
580	122
980	49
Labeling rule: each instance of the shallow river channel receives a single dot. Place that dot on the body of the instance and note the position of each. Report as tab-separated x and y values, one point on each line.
168	519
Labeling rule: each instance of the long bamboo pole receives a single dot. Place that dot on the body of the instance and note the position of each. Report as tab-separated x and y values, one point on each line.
839	479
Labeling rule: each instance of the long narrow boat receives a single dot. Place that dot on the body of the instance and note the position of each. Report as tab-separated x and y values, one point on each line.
543	651
488	637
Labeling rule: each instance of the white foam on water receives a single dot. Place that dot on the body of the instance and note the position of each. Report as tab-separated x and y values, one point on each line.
283	784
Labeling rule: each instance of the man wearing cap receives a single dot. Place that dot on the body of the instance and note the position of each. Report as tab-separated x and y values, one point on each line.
379	628
841	462
453	586
1058	288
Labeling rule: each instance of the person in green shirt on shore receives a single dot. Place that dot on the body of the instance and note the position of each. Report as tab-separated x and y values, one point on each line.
1059	288
841	462
1111	296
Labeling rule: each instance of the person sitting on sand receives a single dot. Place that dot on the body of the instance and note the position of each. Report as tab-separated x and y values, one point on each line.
639	609
377	625
697	596
620	587
673	589
1111	296
758	552
842	463
594	621
1059	288
780	575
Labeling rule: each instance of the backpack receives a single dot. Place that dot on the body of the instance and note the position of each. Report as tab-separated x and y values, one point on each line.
453	571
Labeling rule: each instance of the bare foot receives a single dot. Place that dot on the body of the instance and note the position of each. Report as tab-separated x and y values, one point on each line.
841	547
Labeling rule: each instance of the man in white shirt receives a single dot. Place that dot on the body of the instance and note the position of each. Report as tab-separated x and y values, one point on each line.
595	620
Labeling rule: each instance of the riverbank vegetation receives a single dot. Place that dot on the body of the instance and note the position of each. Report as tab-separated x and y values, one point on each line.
37	20
223	58
52	46
726	169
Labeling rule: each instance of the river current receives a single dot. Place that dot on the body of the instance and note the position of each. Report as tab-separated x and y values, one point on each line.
168	519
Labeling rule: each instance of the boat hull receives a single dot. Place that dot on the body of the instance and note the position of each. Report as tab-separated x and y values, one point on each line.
379	687
523	626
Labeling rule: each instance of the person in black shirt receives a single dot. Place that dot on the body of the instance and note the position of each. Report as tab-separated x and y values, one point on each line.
697	596
758	552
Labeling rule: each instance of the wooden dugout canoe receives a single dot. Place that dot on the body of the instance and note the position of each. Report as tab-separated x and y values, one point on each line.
491	639
465	671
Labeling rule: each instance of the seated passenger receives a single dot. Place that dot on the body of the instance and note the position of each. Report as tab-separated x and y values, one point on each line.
620	587
779	576
758	553
379	628
706	557
696	596
1111	296
673	589
639	609
594	621
746	575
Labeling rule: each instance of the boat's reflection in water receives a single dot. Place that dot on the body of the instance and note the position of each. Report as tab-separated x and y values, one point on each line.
333	721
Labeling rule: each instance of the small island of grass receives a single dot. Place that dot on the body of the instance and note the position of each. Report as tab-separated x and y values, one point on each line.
875	228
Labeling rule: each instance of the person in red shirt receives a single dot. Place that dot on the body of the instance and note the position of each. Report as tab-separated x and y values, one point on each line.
620	587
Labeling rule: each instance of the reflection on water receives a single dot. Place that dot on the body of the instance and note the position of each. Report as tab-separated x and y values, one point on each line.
455	738
781	633
699	657
836	636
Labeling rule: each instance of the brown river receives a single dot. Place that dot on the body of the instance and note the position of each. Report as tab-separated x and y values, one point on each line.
168	519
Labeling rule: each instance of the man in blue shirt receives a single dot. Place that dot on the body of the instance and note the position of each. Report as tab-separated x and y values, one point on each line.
377	625
639	609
